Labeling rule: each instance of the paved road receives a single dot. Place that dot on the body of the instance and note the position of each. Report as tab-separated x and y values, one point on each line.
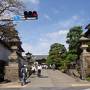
50	80
55	78
48	88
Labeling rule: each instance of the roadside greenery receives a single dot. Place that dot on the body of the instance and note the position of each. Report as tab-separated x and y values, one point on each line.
58	53
73	37
88	78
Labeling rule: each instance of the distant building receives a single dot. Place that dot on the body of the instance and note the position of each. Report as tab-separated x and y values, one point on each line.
37	58
40	58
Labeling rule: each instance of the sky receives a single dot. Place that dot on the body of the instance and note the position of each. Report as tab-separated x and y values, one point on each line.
55	18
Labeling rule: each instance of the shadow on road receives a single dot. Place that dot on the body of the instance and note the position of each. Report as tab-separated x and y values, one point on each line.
42	76
5	81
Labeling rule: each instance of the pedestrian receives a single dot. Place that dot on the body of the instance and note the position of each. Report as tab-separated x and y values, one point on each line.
39	70
50	66
23	75
33	69
53	66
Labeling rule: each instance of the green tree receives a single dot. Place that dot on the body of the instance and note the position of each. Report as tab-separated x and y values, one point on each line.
73	40
8	31
56	53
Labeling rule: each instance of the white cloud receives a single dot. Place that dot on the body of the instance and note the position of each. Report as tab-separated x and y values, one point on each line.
31	4
63	32
45	41
47	17
75	17
32	1
39	48
27	47
58	37
68	23
48	39
57	33
35	1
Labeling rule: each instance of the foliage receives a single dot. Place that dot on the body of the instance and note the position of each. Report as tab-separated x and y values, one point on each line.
88	78
56	53
71	57
7	28
73	40
7	6
63	64
8	32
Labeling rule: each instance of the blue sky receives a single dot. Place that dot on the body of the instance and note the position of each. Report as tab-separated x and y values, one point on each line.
56	17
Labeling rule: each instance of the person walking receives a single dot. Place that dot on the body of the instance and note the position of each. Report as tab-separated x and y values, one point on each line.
33	69
23	75
39	70
53	66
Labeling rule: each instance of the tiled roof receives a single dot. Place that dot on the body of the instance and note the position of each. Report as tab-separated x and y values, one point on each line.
39	57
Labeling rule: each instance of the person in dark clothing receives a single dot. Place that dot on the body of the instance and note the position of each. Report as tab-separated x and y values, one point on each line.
39	70
23	76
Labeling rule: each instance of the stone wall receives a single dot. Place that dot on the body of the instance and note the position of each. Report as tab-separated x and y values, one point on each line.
11	72
85	58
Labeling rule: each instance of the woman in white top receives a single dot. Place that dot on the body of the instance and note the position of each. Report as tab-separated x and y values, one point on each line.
33	69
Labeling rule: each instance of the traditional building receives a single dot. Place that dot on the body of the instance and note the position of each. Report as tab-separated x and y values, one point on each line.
40	58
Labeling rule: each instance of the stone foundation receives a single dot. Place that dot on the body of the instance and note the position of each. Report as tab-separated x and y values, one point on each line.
87	58
11	72
86	61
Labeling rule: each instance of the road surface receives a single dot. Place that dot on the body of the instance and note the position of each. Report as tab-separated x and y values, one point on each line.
50	80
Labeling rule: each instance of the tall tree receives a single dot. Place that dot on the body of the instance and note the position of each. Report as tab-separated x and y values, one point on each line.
56	52
7	32
73	40
7	6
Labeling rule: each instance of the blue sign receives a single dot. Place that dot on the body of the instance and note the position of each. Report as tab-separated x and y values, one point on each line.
16	18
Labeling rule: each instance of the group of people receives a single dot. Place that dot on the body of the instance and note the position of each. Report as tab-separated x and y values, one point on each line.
35	69
53	66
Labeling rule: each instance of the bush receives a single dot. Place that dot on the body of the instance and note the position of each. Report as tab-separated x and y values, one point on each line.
88	78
